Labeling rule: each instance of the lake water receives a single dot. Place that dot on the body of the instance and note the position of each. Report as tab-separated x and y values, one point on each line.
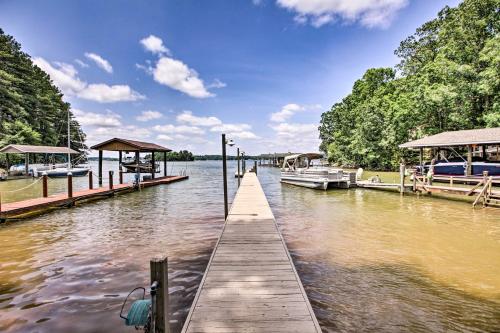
369	260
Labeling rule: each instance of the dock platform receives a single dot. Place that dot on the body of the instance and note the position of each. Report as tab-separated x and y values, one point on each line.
250	284
25	208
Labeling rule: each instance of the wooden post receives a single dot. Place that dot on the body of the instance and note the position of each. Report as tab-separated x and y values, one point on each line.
110	179
26	163
70	185
99	174
120	176
137	170
468	171
153	164
7	160
255	166
224	175
401	178
159	273
119	160
484	152
45	190
414	181
422	161
164	164
485	176
451	180
238	159
91	180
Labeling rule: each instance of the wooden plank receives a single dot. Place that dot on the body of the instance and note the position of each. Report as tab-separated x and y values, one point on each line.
250	284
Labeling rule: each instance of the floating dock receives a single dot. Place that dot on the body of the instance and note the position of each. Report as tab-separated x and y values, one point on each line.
250	284
25	208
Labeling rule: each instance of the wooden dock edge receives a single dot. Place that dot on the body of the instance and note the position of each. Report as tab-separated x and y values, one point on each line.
47	207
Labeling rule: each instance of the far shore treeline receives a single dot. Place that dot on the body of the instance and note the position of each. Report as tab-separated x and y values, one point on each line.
32	110
183	156
448	79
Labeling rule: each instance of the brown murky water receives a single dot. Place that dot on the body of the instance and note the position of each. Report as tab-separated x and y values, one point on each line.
369	260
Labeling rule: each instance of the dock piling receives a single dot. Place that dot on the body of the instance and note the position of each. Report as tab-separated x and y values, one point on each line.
120	177
91	180
402	169
159	274
70	185
110	179
45	191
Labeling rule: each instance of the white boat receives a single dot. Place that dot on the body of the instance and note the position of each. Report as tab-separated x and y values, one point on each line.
299	170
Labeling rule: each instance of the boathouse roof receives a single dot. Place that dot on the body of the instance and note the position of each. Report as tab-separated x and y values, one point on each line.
483	136
117	144
23	149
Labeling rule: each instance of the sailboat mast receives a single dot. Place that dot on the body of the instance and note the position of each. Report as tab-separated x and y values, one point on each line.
69	145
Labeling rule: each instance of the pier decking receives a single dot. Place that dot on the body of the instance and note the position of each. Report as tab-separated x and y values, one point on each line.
33	206
250	284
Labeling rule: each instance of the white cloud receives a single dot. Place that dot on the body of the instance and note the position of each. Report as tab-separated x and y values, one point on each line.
288	110
217	84
99	61
110	119
81	63
257	2
149	115
65	76
235	131
301	131
103	93
154	44
188	118
181	129
370	13
177	75
164	137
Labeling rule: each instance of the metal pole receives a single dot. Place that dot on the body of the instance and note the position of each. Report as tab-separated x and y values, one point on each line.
238	158
164	164
91	180
255	166
110	179
224	174
99	169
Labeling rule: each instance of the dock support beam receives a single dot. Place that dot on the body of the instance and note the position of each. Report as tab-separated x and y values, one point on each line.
255	166
91	180
164	164
110	179
402	170
153	165
159	274
468	172
100	168
422	161
137	169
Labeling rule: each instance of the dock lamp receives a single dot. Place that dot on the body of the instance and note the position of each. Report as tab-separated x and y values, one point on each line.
230	143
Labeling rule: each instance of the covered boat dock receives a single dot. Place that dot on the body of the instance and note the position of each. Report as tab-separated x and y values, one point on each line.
31	149
482	142
125	145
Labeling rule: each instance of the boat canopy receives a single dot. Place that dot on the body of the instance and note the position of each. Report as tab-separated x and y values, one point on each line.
295	157
482	136
117	144
27	149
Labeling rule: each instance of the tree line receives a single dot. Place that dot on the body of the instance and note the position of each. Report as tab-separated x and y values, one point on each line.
448	78
32	109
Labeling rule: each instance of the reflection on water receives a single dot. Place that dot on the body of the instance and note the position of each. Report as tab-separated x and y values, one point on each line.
369	260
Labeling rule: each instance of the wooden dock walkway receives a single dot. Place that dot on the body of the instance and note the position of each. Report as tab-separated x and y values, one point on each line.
25	208
250	284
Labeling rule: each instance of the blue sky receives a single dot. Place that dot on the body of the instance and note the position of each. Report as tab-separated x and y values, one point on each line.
179	73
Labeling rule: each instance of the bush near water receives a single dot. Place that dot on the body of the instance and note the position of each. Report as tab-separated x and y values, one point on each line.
32	110
448	79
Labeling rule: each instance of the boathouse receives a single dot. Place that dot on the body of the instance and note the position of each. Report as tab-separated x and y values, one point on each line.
125	145
487	139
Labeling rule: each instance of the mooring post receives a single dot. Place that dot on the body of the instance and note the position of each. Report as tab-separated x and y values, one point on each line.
414	181
110	179
238	159
91	180
70	185
451	180
45	191
159	274
100	168
255	166
120	176
402	178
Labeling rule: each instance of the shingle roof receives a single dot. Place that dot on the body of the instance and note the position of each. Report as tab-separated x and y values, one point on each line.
21	149
132	145
457	138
